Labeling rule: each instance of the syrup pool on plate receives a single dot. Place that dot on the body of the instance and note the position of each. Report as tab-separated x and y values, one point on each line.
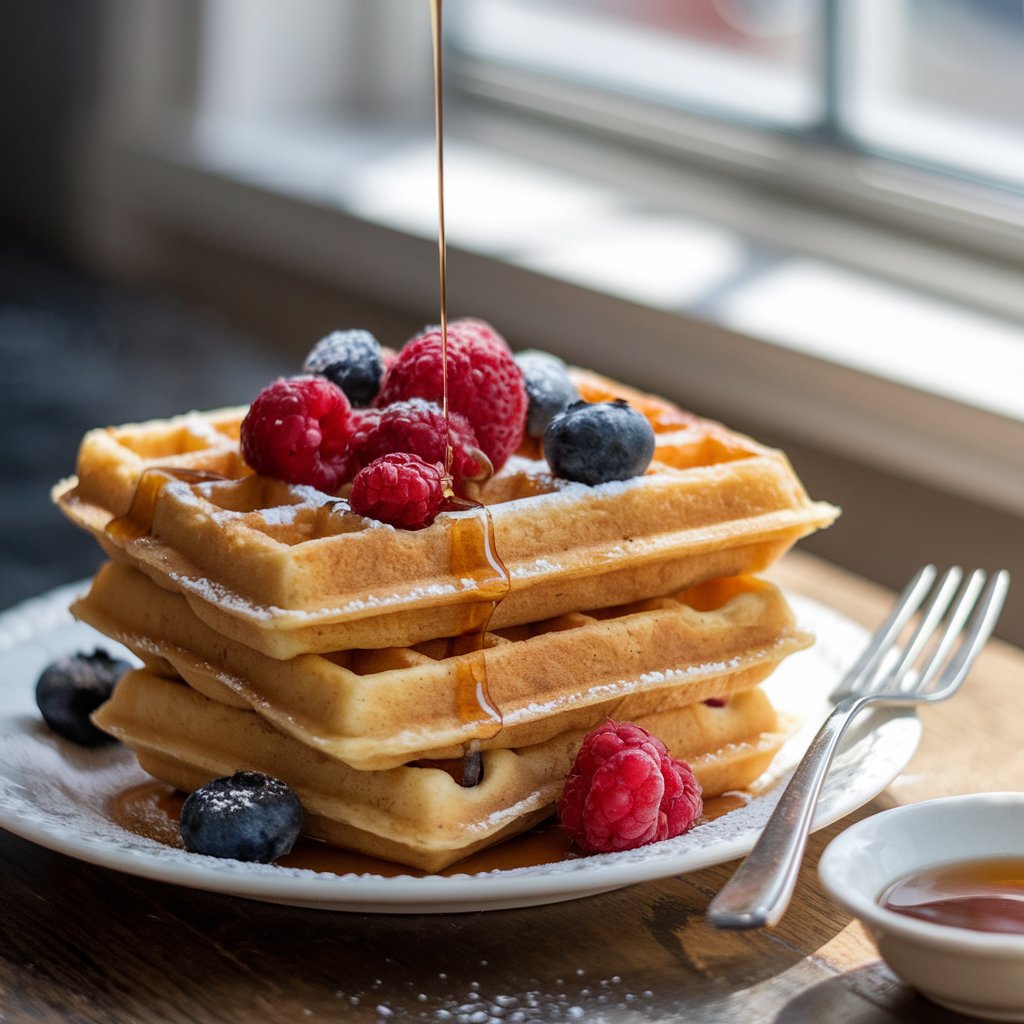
152	810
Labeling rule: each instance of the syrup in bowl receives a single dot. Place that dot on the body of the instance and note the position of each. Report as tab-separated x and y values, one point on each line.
937	885
984	895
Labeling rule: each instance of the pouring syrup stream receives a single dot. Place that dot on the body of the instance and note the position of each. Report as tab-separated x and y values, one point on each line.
435	31
473	538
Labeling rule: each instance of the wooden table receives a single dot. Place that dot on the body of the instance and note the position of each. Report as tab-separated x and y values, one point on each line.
79	943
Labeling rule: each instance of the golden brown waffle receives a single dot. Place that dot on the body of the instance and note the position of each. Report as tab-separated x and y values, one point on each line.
377	709
287	570
414	815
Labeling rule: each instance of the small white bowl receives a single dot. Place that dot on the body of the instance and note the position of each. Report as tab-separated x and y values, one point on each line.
972	972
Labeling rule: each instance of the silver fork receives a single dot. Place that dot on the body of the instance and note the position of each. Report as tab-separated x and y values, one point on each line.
760	890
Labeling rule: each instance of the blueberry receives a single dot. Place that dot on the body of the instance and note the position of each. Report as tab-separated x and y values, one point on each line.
246	816
351	359
548	388
71	689
595	443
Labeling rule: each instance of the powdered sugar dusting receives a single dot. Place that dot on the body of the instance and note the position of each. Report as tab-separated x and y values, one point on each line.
201	427
280	515
566	492
217	594
234	801
580	997
538	567
606	691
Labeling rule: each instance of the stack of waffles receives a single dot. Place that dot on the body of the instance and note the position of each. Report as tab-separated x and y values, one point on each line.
425	692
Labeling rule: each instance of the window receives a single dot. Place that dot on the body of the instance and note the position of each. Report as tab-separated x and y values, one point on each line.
727	58
899	85
940	81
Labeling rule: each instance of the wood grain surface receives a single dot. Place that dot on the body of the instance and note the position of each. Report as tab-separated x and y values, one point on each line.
79	943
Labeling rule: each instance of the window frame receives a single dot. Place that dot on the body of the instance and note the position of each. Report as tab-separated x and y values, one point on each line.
828	164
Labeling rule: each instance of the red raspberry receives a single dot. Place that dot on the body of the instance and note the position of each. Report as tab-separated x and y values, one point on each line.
400	489
478	330
625	790
362	420
604	742
417	426
484	383
682	803
297	430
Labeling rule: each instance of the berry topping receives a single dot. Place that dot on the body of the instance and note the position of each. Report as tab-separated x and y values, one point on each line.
624	790
599	442
362	420
297	430
470	327
484	383
246	816
548	388
351	359
400	489
417	426
71	689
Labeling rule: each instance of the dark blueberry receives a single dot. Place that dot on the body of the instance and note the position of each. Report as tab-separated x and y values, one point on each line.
548	388
246	816
351	359
71	689
598	442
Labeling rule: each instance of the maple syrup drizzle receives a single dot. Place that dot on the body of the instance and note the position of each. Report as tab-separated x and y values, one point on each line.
152	810
472	535
138	520
442	249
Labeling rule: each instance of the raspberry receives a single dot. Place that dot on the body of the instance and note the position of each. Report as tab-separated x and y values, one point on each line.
400	489
477	330
484	383
417	426
625	790
362	420
607	740
297	430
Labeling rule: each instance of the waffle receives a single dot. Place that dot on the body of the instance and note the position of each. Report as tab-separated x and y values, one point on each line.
287	570
377	709
415	815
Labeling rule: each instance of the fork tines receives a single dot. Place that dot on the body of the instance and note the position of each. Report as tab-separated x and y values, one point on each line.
932	647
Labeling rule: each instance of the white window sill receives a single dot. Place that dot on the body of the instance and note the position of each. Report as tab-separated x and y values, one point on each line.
656	293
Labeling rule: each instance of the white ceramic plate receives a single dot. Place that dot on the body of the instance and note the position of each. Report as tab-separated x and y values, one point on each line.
56	794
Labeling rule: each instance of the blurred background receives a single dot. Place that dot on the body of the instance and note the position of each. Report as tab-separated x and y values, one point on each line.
803	217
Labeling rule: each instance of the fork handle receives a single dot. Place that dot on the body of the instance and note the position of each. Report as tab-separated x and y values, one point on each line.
761	888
